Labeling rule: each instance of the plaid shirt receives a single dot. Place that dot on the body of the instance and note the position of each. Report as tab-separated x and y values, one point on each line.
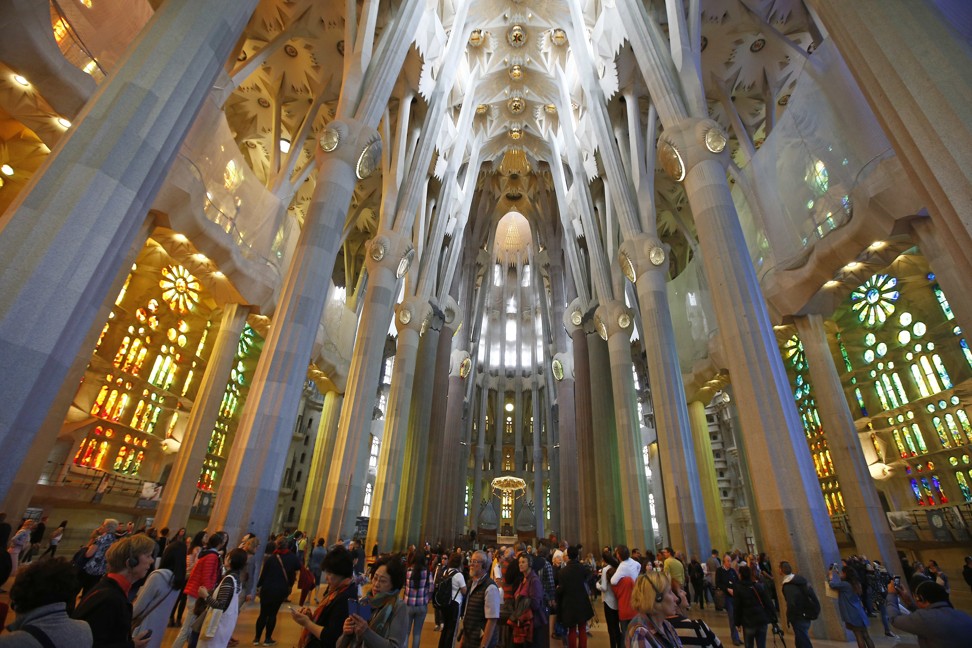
422	594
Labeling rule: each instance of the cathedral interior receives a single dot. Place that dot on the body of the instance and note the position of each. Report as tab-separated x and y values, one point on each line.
680	272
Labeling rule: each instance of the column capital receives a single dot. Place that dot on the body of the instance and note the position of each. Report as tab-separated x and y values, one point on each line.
353	142
562	366
391	251
691	141
412	313
641	254
575	316
612	318
451	313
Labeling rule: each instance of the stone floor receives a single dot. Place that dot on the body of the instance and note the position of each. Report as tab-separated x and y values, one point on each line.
288	632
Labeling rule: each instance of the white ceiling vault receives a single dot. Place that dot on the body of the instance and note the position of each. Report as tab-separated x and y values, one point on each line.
520	74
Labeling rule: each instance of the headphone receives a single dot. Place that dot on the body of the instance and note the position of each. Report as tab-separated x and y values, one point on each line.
132	561
659	596
917	592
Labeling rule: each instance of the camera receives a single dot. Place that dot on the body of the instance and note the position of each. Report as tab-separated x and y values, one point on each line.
897	581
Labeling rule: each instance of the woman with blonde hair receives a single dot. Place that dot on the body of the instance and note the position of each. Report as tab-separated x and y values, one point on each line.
654	600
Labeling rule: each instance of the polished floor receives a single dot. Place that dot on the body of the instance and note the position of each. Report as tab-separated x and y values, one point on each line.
288	632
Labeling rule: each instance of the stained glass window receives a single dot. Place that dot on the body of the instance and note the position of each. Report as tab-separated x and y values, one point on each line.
366	509
874	300
963	485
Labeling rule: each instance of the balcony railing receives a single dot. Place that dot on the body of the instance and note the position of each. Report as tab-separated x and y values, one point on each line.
71	45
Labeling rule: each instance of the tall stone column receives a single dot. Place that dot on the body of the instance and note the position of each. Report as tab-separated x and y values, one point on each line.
869	525
412	500
19	495
538	490
645	259
586	466
604	442
385	513
247	495
569	502
65	238
321	463
344	493
180	490
442	467
914	70
708	485
454	460
613	321
789	504
479	453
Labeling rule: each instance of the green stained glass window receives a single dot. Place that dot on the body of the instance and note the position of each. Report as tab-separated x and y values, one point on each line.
919	438
940	430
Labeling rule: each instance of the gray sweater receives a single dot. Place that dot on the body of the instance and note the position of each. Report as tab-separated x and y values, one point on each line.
937	626
53	621
397	633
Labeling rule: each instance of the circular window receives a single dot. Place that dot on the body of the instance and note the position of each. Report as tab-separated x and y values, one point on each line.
930	407
904	337
910	415
900	418
882	349
919	329
869	356
905	319
953	461
965	459
941	404
954	400
869	339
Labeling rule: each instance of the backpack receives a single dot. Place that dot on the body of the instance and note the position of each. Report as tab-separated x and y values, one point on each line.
812	609
442	595
808	604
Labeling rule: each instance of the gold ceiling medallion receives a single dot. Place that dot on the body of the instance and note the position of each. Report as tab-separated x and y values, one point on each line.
671	161
516	132
517	36
477	38
550	109
516	105
558	37
465	367
558	369
369	158
482	109
330	139
715	140
516	72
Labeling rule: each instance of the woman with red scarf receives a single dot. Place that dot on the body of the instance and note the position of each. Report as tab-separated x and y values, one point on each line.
388	624
323	626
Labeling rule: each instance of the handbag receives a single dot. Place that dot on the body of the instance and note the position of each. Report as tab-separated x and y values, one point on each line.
207	624
306	580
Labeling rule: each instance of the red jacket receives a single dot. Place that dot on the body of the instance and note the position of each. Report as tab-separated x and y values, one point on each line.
205	572
623	591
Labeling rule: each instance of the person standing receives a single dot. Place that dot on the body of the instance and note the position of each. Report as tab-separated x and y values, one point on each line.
226	599
450	613
802	605
95	566
106	607
726	579
610	601
36	535
967	571
480	621
19	544
323	627
386	629
159	593
852	613
753	610
696	576
712	566
623	582
574	608
931	618
314	562
276	580
54	540
418	592
204	575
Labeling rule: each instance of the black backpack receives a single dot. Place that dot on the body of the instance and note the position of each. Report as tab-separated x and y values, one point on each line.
442	594
812	608
808	605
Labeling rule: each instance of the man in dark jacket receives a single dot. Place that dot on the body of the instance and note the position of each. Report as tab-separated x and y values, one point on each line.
574	608
479	625
802	605
752	608
106	607
726	579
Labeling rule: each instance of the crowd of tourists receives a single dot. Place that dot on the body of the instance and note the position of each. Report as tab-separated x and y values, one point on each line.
125	586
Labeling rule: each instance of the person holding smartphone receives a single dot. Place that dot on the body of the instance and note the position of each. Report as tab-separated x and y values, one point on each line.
323	626
388	625
106	607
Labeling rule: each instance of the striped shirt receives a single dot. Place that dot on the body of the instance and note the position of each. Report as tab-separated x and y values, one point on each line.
694	632
418	595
